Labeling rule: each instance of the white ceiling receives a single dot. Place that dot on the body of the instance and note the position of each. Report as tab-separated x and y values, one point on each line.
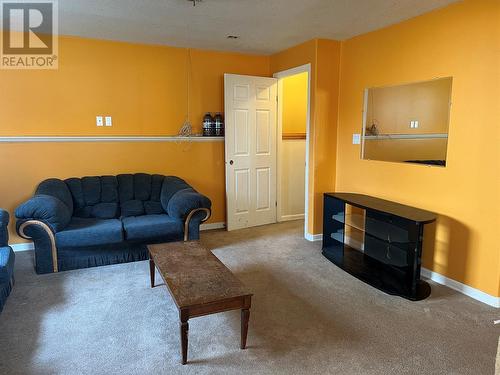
264	26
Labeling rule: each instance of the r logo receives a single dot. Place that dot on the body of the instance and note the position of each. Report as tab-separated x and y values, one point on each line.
29	38
29	28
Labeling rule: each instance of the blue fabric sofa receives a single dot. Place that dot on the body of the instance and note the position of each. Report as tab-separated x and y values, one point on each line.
7	258
94	221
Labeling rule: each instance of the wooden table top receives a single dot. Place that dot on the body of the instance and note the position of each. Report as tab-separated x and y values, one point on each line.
194	275
384	206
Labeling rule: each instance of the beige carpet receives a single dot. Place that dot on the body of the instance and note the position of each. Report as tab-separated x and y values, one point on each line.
308	317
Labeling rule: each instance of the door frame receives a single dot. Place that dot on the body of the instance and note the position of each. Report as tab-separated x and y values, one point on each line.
306	68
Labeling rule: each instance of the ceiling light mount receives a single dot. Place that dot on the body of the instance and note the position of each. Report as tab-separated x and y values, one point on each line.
233	37
194	2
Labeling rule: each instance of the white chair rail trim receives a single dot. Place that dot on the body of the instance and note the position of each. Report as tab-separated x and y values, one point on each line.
109	139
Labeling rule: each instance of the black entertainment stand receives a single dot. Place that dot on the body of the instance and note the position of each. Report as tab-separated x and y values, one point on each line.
377	241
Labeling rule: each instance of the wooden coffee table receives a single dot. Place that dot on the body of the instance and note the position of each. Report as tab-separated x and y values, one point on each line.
199	283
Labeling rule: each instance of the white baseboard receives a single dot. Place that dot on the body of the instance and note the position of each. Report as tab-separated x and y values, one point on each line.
462	288
211	226
27	246
291	217
314	237
458	286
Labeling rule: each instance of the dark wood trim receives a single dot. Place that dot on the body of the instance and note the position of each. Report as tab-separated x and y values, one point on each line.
217	307
184	329
152	271
292	136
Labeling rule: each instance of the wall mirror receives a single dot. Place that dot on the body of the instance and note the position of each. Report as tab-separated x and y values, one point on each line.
407	123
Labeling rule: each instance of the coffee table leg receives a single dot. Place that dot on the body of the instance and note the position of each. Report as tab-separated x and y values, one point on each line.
152	271
184	325
245	317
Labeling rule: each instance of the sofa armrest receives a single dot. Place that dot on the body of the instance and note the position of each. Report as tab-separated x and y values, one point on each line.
193	222
4	232
185	201
46	209
7	258
44	239
192	208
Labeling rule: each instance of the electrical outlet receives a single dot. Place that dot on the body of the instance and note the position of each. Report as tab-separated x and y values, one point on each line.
412	124
109	121
415	125
356	139
99	121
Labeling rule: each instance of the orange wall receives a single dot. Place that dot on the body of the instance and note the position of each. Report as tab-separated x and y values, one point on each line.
35	162
294	103
324	57
462	41
143	87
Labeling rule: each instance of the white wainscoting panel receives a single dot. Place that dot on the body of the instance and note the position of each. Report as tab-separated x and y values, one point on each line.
293	172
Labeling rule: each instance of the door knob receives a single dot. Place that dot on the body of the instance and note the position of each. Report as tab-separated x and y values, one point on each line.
231	162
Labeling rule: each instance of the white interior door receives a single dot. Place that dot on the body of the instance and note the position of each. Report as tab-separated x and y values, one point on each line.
250	116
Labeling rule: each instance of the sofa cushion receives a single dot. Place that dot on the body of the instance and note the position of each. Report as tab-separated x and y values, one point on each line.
109	197
91	188
152	226
109	189
156	185
153	208
4	233
94	197
6	264
105	210
132	208
4	218
171	185
90	232
56	188
142	186
125	187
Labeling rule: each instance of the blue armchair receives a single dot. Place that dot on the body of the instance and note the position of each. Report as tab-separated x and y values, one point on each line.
7	258
94	221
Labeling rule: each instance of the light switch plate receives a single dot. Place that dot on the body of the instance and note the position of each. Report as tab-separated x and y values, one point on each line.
109	121
356	139
99	121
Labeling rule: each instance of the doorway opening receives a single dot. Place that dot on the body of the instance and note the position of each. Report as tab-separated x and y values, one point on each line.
294	112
